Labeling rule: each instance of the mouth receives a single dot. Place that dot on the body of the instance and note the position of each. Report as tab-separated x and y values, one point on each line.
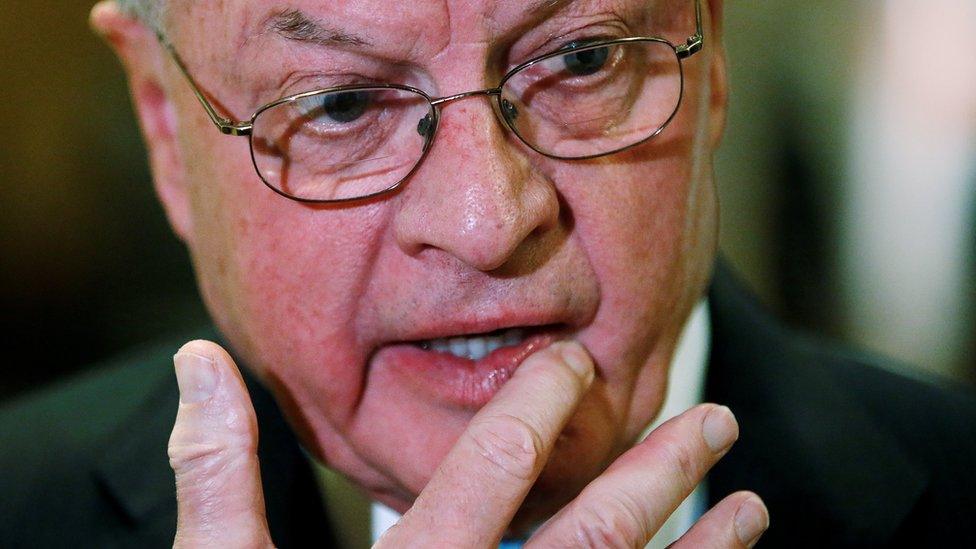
465	370
475	347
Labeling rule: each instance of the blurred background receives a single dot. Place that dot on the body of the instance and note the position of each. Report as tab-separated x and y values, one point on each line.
846	180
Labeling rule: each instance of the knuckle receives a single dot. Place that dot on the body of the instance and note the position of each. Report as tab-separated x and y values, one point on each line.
511	445
208	455
680	460
613	521
195	444
188	456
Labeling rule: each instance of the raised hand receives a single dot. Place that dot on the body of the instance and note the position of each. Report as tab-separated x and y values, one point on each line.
479	486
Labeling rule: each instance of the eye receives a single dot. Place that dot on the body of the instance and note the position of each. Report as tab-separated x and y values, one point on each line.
345	106
587	62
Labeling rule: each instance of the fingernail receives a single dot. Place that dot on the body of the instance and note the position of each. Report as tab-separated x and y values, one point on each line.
577	358
720	429
196	375
751	520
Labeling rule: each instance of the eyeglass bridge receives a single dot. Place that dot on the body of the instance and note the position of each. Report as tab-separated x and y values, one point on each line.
463	95
509	111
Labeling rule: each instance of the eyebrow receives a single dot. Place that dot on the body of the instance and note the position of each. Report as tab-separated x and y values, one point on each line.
295	25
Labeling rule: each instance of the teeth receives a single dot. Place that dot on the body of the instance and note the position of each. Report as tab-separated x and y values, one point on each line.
458	345
478	346
475	348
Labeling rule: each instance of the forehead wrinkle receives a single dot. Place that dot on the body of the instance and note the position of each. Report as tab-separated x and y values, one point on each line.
543	7
387	29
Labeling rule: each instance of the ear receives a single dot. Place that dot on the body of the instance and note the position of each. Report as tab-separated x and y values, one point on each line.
143	59
719	84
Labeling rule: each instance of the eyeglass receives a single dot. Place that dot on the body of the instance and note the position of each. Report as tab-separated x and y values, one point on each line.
355	142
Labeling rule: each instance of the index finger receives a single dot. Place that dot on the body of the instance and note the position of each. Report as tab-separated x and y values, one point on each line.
481	483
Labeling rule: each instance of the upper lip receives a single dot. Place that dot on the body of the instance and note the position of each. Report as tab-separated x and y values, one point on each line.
445	311
466	327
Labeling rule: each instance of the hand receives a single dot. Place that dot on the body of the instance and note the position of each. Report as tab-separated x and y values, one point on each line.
479	486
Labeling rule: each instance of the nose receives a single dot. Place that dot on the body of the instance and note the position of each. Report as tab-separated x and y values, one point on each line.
477	196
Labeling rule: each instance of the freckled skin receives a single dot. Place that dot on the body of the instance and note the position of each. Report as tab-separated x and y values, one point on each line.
621	244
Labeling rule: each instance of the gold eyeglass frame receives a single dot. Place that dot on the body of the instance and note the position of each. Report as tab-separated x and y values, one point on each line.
227	126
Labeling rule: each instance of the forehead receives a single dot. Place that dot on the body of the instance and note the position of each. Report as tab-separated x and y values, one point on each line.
414	22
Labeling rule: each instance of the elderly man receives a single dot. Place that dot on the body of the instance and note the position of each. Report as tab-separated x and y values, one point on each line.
466	246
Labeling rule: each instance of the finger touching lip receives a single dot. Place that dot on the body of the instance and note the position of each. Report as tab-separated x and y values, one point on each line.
464	372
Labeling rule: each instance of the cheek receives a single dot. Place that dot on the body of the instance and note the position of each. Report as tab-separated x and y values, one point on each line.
282	280
645	216
634	218
630	214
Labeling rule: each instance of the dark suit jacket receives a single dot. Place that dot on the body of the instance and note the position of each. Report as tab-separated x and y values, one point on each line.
844	454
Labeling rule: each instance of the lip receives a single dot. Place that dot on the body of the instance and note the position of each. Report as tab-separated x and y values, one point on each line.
460	382
474	326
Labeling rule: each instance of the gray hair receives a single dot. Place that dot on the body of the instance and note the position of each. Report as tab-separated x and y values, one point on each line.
149	12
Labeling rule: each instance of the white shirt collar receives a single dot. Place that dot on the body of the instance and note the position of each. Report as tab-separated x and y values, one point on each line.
686	388
686	385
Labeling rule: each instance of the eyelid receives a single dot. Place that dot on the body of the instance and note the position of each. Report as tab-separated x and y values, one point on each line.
603	29
322	80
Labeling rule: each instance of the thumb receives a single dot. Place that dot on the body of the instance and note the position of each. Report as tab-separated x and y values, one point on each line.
213	451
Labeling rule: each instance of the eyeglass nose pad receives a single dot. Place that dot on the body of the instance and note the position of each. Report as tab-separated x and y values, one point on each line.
426	126
509	111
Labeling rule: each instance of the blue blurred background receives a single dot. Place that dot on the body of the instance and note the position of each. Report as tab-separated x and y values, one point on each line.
846	180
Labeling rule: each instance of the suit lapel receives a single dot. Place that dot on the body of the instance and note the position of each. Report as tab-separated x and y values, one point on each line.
296	514
824	467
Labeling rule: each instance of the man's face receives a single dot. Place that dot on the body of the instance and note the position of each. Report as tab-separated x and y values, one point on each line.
335	307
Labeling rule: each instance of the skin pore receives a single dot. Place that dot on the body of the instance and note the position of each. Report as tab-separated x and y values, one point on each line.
486	234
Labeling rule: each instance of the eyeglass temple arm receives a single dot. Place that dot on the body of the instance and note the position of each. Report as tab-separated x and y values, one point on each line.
225	125
695	43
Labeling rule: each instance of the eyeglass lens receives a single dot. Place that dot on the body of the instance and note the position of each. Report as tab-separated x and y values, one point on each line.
353	143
